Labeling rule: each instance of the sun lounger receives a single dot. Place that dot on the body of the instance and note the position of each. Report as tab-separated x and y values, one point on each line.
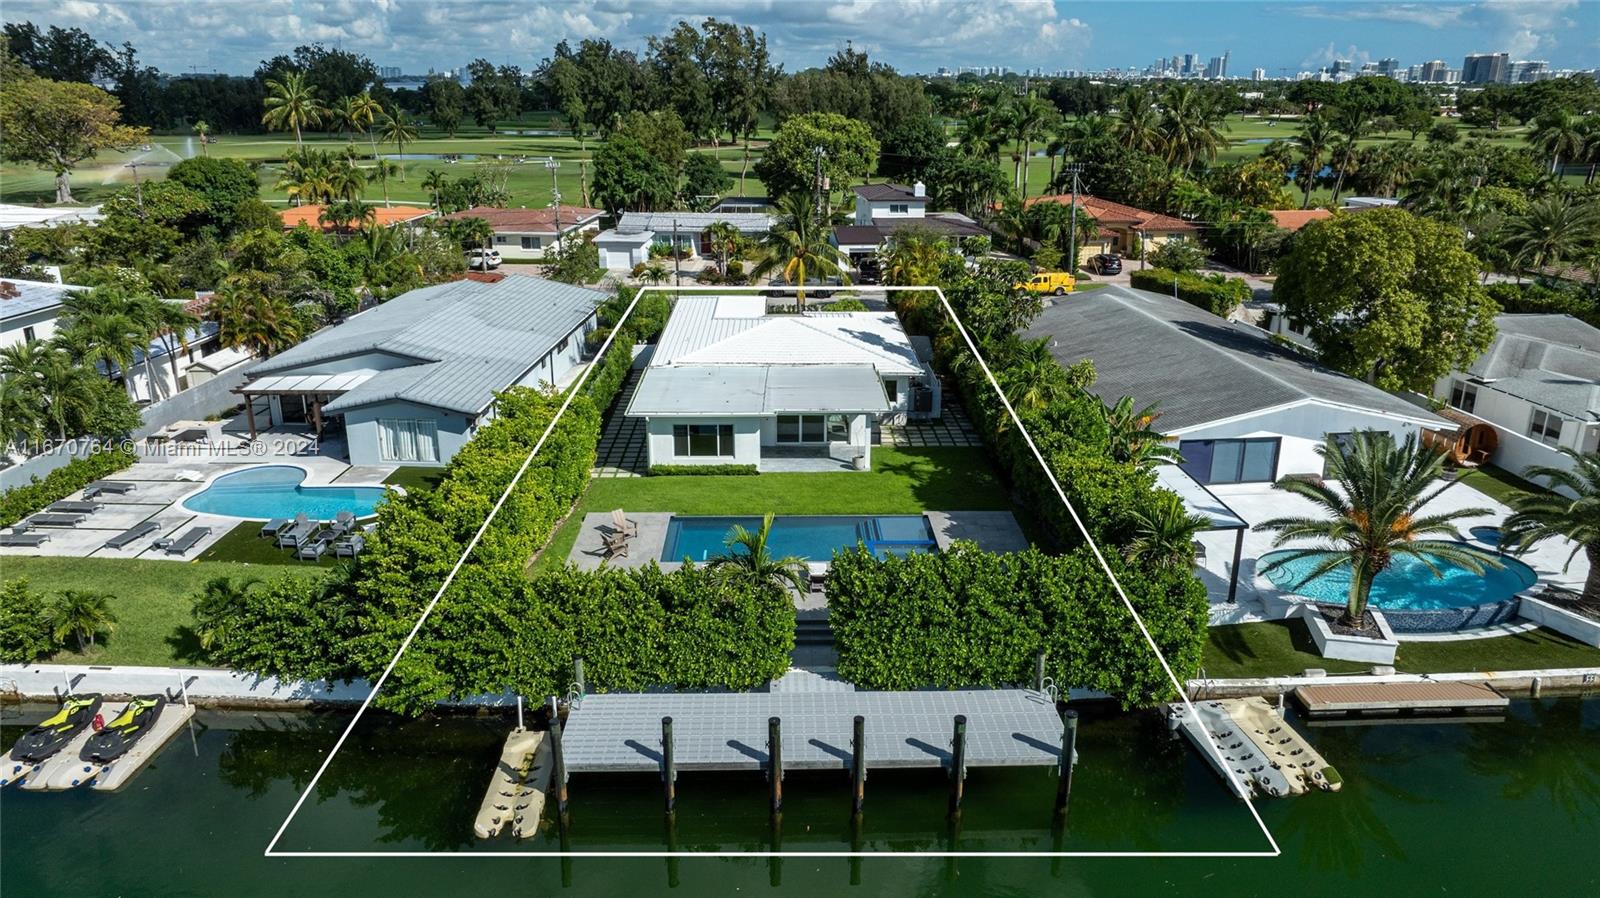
132	535
620	523
57	519
110	486
297	533
188	541
74	507
343	522
350	546
23	539
274	527
316	547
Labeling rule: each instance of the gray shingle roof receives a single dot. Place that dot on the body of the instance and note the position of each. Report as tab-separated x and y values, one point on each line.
1549	360
468	340
1196	366
692	222
882	192
32	296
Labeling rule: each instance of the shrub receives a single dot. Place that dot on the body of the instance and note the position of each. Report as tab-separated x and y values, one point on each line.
701	470
1178	254
1216	293
847	304
25	635
1541	298
735	271
19	502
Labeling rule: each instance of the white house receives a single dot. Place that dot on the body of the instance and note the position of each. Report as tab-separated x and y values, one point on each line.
883	209
628	244
411	380
1538	385
531	233
730	383
29	309
1243	409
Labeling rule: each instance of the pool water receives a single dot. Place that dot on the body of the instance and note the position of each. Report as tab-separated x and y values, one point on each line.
1407	584
814	538
274	491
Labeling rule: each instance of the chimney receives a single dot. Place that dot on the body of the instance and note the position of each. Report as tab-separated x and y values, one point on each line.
919	189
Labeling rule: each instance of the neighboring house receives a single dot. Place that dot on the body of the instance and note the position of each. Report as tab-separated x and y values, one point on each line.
730	383
1121	227
629	242
29	309
1538	386
386	216
883	209
1363	203
13	216
413	379
1241	408
744	204
527	234
1292	220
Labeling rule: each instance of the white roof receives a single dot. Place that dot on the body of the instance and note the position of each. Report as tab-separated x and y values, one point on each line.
13	216
687	223
727	331
310	383
612	235
1197	499
764	390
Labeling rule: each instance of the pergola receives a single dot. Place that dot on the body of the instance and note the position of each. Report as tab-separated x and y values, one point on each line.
314	389
1201	501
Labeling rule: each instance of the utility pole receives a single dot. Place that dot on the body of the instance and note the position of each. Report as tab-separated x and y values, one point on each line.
677	255
1073	168
555	197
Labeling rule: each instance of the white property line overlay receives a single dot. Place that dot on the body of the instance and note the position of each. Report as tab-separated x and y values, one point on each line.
1239	788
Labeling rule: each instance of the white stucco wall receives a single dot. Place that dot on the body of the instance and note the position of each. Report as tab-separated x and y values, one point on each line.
361	431
746	441
1301	429
43	323
1511	416
878	210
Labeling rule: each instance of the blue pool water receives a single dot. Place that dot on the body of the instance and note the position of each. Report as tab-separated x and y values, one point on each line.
811	538
274	491
1407	584
1490	535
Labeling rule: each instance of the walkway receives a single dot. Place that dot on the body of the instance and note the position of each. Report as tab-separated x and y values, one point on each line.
622	439
953	429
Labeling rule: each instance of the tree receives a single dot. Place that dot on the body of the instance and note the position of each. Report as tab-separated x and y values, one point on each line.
58	124
1558	134
222	603
1137	125
749	562
724	238
1030	119
1380	514
104	327
1314	139
25	633
1132	437
365	112
398	128
60	54
83	616
1387	296
446	102
1545	515
292	105
222	184
790	162
1178	254
704	176
627	177
1164	534
1554	229
660	132
203	131
248	317
1190	127
1443	133
800	249
494	94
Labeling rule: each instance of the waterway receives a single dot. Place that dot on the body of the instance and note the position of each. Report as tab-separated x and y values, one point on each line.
1484	808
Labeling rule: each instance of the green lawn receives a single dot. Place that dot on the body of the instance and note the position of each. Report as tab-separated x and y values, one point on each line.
151	599
1285	649
244	545
902	481
414	479
1498	484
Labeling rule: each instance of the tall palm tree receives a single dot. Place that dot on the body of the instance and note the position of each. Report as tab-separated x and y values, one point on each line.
110	339
67	391
1315	136
366	112
1558	134
1553	230
749	560
168	322
201	129
434	183
398	128
292	105
342	115
346	183
1033	379
1164	535
250	318
83	616
1137	125
724	239
981	134
1132	435
798	247
1380	513
1030	120
1189	127
22	419
383	170
1549	515
1353	123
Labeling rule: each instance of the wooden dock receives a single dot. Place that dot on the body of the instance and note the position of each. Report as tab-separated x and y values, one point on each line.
1399	698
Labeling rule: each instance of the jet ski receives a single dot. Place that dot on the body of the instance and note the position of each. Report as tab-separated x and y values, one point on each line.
120	735
49	737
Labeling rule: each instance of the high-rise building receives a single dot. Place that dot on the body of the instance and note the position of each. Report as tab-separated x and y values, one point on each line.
1191	61
1389	68
1339	66
1258	74
1525	70
388	71
1177	64
1433	71
1486	68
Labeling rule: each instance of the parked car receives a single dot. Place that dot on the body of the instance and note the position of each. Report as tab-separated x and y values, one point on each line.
1105	263
1058	282
871	271
483	259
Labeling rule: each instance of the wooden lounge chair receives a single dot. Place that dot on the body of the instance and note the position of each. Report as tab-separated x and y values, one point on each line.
132	535
620	522
109	486
616	544
57	519
349	546
314	548
23	539
188	541
74	507
274	527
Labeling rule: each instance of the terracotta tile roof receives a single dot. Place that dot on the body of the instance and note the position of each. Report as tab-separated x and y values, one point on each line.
387	216
1295	219
484	277
1108	213
533	221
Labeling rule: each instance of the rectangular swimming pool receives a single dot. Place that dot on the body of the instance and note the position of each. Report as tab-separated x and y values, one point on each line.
814	538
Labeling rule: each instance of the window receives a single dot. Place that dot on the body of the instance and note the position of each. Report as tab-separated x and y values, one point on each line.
503	239
408	440
1231	461
27	335
1463	395
891	388
702	440
899	208
813	429
1545	427
562	346
530	243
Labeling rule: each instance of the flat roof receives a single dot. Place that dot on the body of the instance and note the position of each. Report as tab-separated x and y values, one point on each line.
735	330
1199	500
746	391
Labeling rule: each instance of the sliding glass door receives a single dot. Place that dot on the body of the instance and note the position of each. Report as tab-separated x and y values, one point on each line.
813	429
1231	461
402	439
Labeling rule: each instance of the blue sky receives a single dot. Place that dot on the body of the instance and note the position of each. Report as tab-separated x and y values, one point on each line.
917	35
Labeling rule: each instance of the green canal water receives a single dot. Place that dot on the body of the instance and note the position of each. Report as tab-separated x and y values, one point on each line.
1482	808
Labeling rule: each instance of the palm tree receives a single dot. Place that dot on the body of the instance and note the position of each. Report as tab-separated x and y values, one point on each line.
724	239
1553	230
398	129
202	129
250	318
1030	118
1164	535
383	170
346	182
1137	125
1550	515
1033	379
913	258
82	615
1312	141
1189	128
655	272
1132	436
799	249
22	419
748	560
220	601
342	114
292	104
112	339
1353	124
1380	514
1558	134
434	182
364	112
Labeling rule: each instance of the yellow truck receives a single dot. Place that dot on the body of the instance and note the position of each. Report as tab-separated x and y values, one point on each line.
1058	282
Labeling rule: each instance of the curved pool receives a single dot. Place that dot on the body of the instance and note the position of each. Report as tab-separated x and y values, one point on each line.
1407	584
274	491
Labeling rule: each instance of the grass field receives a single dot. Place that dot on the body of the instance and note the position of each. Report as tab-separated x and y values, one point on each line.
1499	484
151	599
244	544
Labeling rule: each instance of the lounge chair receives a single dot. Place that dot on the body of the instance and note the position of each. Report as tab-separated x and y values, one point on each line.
344	522
274	527
620	522
57	519
615	544
316	547
188	541
132	535
23	539
109	486
297	532
349	546
74	507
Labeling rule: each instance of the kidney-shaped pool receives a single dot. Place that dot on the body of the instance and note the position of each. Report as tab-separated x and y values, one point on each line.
274	491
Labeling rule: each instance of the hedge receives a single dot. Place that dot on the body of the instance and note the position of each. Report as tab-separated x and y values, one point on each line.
972	618
701	470
1216	293
19	502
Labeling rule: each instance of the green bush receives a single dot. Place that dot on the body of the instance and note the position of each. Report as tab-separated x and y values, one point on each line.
19	502
1216	293
701	470
1545	299
25	633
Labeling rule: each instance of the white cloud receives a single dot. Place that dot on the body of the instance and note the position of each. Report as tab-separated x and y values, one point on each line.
1529	27
1325	55
1431	15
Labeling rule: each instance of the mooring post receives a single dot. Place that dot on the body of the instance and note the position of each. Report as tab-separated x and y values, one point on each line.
858	771
669	767
856	843
559	758
775	763
672	848
1069	751
519	714
1537	687
958	763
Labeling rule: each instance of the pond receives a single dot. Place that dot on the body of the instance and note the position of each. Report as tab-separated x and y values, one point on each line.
447	157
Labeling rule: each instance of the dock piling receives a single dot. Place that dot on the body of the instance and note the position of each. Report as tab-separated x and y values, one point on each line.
858	766
559	757
669	768
958	764
1069	753
775	763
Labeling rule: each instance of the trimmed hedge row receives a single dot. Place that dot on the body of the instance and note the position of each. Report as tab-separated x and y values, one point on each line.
701	470
1216	293
19	502
967	617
